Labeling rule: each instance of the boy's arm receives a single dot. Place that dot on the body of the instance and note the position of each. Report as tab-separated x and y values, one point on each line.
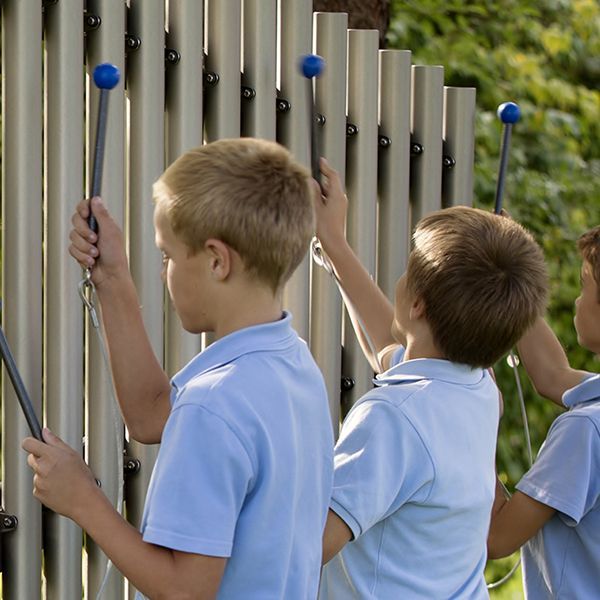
546	362
143	389
64	483
514	521
371	305
336	535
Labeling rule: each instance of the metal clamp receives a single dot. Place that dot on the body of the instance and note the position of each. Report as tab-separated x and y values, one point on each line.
86	292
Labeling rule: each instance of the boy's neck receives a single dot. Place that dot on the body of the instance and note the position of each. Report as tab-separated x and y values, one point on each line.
250	306
422	346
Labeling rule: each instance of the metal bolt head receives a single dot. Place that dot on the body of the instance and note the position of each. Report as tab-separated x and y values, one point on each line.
347	383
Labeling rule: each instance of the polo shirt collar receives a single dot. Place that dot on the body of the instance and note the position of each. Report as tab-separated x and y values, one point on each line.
274	336
430	368
588	389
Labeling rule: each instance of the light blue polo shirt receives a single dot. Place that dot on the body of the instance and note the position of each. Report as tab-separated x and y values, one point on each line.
414	481
563	559
245	465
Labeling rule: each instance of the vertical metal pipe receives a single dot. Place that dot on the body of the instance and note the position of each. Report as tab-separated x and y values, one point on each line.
427	112
223	57
106	44
146	90
394	168
259	66
326	305
21	281
184	132
63	350
361	185
293	131
459	144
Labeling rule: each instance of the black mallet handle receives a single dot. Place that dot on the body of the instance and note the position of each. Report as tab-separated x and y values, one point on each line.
19	387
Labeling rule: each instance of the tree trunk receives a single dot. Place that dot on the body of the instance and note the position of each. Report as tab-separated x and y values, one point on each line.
362	14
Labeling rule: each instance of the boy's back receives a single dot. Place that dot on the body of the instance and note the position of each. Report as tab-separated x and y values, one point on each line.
418	502
257	399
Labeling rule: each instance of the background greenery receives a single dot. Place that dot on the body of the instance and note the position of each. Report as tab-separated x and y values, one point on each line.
544	55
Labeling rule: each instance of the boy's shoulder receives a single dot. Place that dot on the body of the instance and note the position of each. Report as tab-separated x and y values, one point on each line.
428	395
417	379
259	355
255	380
583	400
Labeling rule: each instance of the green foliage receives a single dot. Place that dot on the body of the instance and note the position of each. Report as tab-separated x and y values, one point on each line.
545	55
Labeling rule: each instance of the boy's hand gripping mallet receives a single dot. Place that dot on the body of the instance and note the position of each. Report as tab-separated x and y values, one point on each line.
106	76
509	113
312	66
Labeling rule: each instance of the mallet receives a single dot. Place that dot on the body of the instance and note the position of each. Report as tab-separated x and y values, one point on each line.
311	66
509	113
106	76
19	387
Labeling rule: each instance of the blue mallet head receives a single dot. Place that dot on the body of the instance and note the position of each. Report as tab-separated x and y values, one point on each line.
311	65
106	76
509	113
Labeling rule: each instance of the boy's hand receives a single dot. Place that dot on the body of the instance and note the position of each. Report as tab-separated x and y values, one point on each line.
330	207
103	252
62	480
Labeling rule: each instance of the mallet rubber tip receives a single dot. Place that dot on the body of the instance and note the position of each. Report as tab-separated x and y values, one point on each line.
106	76
312	65
509	112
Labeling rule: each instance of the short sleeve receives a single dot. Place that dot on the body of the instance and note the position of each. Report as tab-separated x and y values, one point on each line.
565	473
201	478
380	464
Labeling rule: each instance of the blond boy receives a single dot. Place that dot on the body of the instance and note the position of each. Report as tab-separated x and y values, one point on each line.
238	498
555	512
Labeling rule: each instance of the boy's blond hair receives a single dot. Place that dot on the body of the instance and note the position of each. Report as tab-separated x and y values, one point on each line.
482	279
589	246
250	194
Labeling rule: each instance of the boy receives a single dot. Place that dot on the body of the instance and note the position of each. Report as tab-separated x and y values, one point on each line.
555	511
414	465
239	494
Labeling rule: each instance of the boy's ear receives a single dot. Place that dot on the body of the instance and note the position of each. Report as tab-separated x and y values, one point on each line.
220	259
417	309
